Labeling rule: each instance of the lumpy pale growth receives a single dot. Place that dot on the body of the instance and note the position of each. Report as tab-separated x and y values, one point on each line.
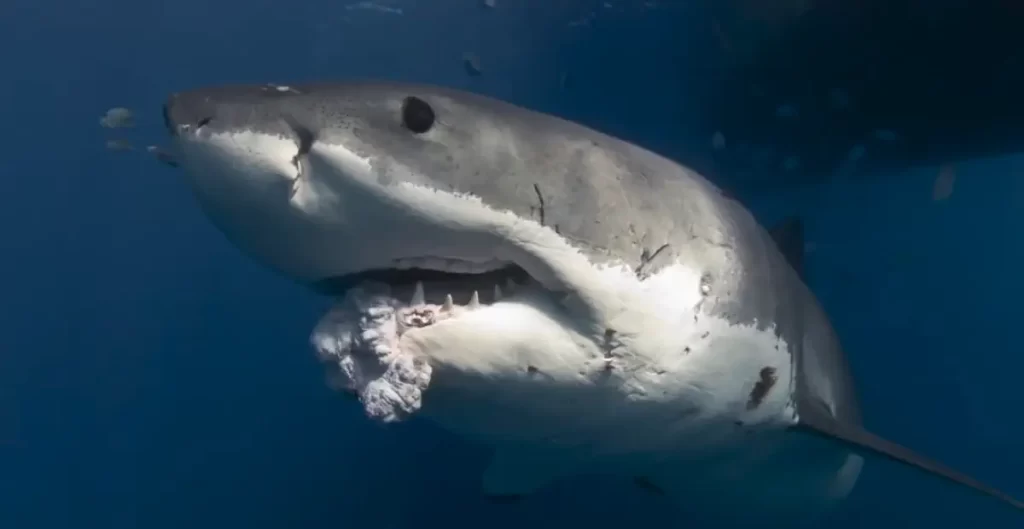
360	337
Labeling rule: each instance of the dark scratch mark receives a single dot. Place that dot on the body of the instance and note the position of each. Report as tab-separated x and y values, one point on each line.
608	345
765	383
646	258
540	197
706	334
705	284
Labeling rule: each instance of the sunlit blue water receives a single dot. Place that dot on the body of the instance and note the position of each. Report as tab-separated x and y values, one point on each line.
150	376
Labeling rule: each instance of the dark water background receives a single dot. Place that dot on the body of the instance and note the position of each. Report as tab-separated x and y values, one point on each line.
150	376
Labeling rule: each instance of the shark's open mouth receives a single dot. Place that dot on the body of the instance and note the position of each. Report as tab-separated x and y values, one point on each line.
436	283
359	338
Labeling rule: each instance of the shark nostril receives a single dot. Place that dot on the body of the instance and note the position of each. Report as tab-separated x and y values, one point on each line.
167	121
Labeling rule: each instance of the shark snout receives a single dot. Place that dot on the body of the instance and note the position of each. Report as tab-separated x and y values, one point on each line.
187	112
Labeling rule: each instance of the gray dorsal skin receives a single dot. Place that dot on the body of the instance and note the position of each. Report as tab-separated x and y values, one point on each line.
614	201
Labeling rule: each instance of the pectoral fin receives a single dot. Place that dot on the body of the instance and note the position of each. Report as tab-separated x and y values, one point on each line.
858	440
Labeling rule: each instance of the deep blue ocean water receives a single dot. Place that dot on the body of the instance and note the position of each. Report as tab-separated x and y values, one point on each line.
151	376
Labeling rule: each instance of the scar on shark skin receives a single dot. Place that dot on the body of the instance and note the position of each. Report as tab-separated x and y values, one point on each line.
540	198
762	387
609	345
647	259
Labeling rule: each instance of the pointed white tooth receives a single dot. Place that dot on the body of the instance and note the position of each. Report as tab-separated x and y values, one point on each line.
497	292
418	297
474	302
449	303
510	285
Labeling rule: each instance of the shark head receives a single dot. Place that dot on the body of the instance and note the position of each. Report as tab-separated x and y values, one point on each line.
331	185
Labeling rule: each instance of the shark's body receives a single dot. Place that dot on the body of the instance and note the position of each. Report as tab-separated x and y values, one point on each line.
643	323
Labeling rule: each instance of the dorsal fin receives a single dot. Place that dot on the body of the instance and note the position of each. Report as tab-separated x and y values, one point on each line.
815	421
789	237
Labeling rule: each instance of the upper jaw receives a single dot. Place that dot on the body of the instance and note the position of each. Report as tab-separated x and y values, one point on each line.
270	176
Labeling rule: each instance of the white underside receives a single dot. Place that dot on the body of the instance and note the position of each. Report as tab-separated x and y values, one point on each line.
527	374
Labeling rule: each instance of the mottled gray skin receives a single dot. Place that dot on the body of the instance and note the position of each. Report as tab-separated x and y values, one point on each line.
615	201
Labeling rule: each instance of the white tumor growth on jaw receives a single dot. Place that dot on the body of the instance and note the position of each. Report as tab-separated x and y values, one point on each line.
360	337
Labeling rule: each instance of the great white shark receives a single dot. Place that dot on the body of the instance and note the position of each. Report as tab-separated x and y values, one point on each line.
579	303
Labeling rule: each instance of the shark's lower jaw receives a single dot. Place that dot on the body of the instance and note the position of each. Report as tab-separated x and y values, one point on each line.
365	339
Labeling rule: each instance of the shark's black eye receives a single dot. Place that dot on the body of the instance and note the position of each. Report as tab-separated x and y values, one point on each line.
203	122
417	115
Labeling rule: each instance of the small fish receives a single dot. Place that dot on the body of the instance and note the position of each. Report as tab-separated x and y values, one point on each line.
162	156
489	4
472	64
119	145
718	141
839	97
943	187
886	135
724	41
118	118
786	111
856	153
373	6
